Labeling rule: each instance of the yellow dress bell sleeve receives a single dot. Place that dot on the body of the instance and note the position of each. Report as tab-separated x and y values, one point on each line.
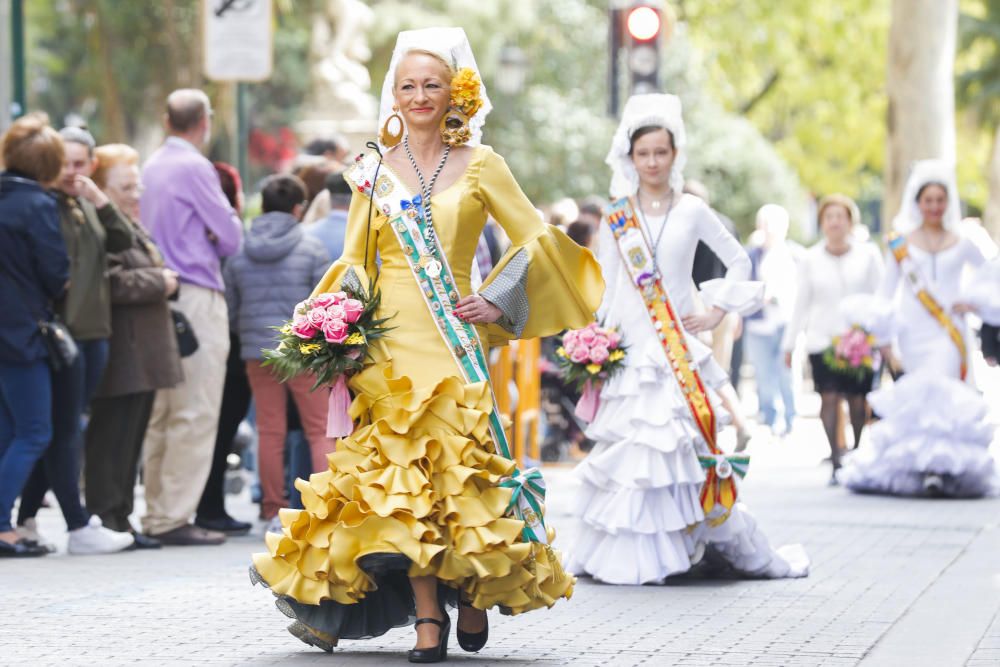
352	264
545	282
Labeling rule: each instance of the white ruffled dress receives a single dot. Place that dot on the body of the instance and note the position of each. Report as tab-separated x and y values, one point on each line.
931	422
639	507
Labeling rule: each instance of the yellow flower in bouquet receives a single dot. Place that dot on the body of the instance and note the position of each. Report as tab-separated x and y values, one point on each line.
465	86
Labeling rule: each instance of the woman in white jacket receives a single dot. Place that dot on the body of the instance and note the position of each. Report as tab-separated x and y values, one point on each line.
839	266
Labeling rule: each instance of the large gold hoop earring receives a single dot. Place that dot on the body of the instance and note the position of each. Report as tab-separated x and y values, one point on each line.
455	127
387	137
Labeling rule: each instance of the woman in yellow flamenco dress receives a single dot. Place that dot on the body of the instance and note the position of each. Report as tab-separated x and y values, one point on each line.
413	513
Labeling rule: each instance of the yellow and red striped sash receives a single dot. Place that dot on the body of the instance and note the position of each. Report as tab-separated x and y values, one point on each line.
720	482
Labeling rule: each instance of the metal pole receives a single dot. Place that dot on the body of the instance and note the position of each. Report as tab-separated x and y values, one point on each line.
6	66
614	48
242	132
20	103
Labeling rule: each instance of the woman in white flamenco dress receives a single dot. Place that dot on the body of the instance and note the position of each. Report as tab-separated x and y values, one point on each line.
642	519
934	435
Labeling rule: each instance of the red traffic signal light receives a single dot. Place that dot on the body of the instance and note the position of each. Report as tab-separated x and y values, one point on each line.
643	23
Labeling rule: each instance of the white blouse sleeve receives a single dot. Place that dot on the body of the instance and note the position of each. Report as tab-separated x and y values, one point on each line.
876	312
876	268
736	292
983	291
800	312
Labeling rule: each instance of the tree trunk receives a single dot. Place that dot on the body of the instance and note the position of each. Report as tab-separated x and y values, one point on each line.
991	216
920	83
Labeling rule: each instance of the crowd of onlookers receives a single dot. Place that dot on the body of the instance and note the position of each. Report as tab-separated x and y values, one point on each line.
134	307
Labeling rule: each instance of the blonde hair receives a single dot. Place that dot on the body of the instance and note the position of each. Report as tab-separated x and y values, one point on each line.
112	155
30	146
424	52
836	199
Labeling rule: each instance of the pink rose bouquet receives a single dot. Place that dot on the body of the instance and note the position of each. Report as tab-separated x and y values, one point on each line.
852	353
587	358
329	336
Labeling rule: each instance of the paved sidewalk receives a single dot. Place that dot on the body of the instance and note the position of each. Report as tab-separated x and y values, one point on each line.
893	582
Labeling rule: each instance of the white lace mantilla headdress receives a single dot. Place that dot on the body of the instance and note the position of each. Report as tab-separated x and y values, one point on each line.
642	111
452	45
924	172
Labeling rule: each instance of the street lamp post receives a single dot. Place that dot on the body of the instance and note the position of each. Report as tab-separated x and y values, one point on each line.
19	104
512	72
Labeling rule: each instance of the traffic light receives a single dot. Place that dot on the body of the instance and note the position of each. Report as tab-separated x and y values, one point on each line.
637	29
643	28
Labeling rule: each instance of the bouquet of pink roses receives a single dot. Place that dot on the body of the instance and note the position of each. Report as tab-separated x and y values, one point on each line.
588	357
329	337
852	353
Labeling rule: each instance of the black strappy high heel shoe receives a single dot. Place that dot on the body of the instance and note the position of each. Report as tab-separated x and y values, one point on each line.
437	653
473	641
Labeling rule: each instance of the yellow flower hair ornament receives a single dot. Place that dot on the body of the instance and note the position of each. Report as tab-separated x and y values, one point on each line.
465	102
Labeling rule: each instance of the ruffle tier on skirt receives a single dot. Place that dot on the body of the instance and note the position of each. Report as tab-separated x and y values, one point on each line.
930	425
413	491
639	502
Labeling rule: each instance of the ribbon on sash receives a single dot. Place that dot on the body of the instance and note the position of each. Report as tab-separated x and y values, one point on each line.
721	471
638	258
915	279
434	277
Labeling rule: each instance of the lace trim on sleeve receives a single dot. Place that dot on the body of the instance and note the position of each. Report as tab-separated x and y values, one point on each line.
508	292
351	281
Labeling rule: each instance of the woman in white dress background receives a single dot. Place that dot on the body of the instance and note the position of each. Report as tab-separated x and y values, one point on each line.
838	266
934	434
642	519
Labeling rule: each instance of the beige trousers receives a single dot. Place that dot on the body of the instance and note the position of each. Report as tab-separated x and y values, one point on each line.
180	439
723	337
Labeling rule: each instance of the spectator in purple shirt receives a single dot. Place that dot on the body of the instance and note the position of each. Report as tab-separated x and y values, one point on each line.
191	221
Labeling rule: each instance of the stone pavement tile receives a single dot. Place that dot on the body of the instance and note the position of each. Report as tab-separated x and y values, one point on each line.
872	558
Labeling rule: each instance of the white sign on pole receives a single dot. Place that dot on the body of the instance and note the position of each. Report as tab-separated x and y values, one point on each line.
238	40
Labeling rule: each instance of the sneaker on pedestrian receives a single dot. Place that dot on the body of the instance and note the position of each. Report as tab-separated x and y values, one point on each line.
274	525
29	533
94	538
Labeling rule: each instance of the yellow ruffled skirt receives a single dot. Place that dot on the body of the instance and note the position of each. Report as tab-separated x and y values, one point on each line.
412	492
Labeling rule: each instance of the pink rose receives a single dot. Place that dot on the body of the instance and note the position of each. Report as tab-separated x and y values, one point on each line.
570	338
599	354
579	355
304	330
335	312
593	326
615	339
587	336
352	310
335	331
316	317
323	300
601	340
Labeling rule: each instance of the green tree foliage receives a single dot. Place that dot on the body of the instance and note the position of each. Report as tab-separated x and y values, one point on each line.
810	75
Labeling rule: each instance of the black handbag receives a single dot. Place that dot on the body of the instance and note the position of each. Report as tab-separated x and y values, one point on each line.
187	342
59	344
